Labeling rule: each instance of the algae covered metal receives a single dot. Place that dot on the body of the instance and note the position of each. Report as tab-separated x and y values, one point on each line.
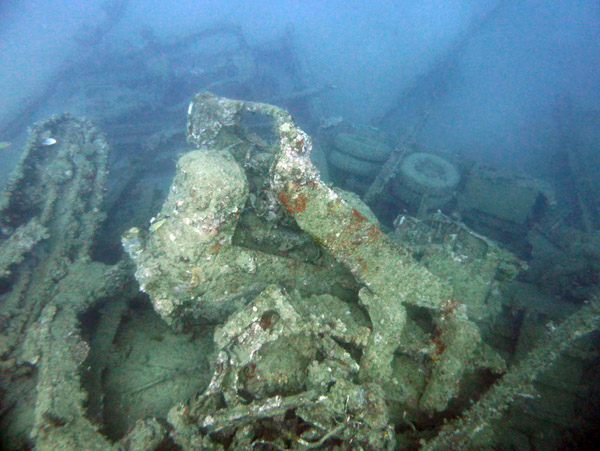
328	332
51	210
319	348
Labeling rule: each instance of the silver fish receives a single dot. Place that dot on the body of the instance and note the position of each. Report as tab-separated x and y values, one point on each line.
48	142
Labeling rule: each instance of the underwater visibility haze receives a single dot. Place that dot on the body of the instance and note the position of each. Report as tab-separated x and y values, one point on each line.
299	225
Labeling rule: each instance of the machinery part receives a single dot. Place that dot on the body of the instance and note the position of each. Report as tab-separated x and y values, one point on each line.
472	264
509	198
190	264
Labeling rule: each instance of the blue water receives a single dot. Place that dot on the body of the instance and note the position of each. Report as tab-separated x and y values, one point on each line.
500	96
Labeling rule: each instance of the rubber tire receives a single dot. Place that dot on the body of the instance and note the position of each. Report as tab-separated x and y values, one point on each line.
424	174
353	165
362	147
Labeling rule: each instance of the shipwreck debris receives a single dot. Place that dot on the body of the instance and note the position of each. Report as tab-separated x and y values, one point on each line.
330	332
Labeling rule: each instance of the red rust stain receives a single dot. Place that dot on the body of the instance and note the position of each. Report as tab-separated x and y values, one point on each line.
449	308
374	233
439	346
358	216
310	184
300	203
356	221
268	319
214	248
362	263
295	205
249	370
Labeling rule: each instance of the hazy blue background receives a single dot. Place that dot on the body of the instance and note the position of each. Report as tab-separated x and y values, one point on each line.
501	97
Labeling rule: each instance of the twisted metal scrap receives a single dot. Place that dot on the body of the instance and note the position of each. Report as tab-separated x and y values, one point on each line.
253	364
474	429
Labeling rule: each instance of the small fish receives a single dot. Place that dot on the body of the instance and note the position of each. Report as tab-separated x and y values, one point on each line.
154	226
4	145
48	142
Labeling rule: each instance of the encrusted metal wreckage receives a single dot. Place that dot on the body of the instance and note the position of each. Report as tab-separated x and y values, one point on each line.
298	366
330	333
